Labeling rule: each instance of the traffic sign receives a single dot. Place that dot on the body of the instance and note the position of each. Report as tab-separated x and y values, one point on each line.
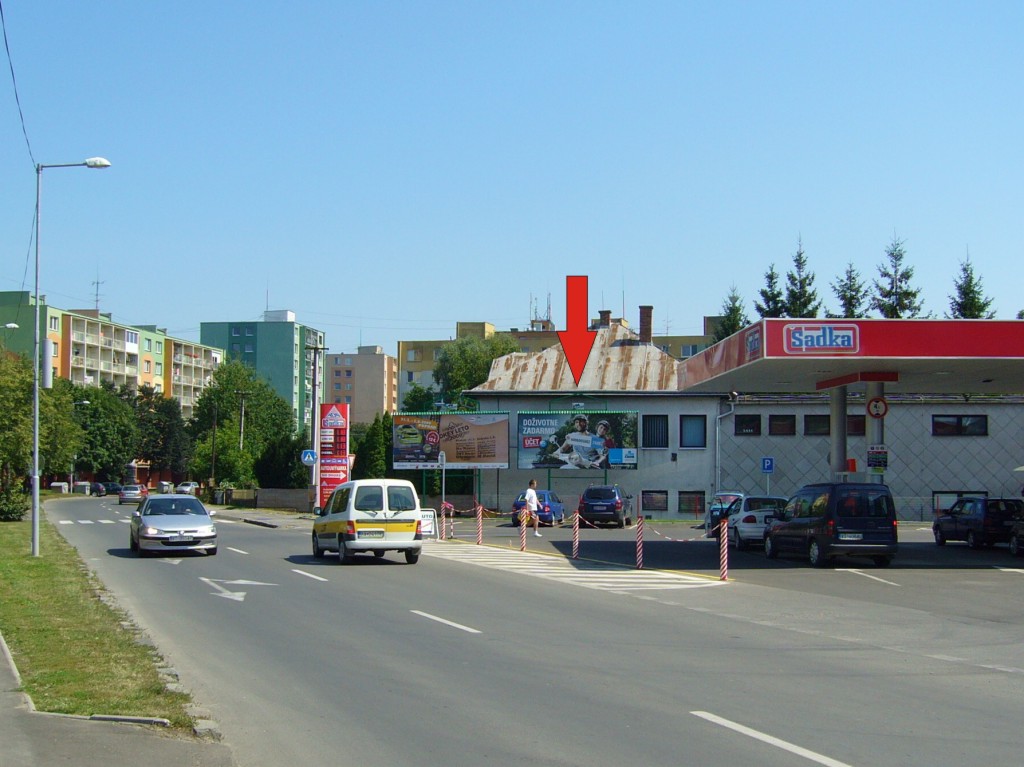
877	407
308	457
767	465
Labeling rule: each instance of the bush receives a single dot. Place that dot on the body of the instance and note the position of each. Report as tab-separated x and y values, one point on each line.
14	504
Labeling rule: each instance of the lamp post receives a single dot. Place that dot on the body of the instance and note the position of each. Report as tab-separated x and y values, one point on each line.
92	162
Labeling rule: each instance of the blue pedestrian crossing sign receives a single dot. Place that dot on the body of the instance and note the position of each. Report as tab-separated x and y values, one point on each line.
767	465
308	457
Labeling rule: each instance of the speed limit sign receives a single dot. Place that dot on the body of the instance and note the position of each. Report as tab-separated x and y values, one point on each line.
877	407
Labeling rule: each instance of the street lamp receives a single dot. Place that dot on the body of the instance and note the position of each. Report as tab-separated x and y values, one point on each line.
92	162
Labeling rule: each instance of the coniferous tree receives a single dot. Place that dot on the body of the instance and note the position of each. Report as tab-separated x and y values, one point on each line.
969	301
801	297
771	295
734	317
852	294
894	297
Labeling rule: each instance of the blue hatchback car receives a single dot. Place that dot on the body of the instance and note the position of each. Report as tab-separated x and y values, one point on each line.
549	508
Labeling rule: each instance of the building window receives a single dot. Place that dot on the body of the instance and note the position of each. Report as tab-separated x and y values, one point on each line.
56	349
159	368
337	374
691	502
236	348
959	425
856	425
654	500
348	400
816	426
413	355
131	337
348	360
147	367
748	425
235	332
54	323
655	431
408	377
348	374
782	425
248	331
337	387
348	387
159	347
693	431
248	348
147	345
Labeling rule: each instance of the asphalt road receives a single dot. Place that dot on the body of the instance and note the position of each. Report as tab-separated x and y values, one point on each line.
486	655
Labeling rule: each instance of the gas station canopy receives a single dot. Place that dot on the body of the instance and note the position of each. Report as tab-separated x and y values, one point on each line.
907	356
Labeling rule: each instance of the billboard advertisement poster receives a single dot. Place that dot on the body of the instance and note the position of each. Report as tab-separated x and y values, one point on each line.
577	440
468	440
333	449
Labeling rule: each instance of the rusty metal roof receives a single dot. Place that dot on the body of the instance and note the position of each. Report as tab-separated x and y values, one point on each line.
618	362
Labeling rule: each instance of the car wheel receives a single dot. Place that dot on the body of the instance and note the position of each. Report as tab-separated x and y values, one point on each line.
317	551
212	552
411	557
620	523
972	540
815	555
132	543
882	561
738	540
344	555
1015	548
378	553
769	548
940	538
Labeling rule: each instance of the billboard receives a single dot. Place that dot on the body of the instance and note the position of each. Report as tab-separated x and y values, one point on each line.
468	440
577	440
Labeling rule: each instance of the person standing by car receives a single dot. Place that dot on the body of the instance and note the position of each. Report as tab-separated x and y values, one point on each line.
532	506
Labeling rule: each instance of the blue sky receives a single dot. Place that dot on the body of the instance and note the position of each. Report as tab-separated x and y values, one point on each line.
387	169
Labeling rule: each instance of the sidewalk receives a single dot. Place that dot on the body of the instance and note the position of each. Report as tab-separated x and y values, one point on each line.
28	737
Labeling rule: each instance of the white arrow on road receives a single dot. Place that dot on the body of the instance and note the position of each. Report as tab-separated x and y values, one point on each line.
237	596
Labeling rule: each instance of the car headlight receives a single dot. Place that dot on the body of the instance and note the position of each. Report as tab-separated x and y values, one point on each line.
211	530
152	531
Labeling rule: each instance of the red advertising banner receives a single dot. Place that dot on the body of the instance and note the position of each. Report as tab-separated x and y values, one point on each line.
332	455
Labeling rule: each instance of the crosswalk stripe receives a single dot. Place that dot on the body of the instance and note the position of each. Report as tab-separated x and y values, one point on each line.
591	575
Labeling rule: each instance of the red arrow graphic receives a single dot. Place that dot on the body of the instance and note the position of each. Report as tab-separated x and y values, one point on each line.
577	340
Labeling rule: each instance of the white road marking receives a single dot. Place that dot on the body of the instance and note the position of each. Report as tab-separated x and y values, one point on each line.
458	626
866	575
310	575
67	522
770	740
107	521
1010	570
237	596
85	522
237	551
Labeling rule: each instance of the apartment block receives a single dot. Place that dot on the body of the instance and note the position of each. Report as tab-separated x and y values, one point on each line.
367	381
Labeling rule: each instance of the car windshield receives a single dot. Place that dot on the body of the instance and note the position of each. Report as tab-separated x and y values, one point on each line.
174	506
756	504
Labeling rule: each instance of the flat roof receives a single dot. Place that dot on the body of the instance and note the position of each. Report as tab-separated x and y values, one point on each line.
922	356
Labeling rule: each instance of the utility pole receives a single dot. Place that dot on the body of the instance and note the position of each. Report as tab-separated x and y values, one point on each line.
241	420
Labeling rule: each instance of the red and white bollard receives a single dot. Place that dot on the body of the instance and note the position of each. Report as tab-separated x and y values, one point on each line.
723	550
576	534
522	532
639	541
479	524
444	522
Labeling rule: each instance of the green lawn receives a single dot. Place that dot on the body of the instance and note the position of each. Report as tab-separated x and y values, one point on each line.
72	650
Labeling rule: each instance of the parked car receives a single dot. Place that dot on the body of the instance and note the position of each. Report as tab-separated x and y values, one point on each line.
831	519
550	508
748	517
97	489
977	520
172	523
189	488
132	494
112	488
606	503
716	511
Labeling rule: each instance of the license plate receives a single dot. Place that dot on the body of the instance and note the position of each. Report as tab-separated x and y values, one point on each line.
371	534
850	536
181	539
600	508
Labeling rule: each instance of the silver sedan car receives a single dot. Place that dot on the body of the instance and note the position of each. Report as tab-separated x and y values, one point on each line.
172	523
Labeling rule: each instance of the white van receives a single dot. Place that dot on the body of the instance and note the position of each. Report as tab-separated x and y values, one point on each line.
367	515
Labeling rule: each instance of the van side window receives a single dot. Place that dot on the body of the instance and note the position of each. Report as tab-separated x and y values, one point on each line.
401	499
338	502
369	499
819	506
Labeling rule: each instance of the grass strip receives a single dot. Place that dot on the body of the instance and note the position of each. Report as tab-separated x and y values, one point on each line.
76	653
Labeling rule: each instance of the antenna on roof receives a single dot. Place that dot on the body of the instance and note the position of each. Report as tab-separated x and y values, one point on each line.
96	283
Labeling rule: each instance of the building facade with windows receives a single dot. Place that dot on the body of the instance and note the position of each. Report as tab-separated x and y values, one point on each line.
289	355
367	381
88	348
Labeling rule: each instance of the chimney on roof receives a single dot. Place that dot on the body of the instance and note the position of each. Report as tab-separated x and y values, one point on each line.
606	318
646	318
